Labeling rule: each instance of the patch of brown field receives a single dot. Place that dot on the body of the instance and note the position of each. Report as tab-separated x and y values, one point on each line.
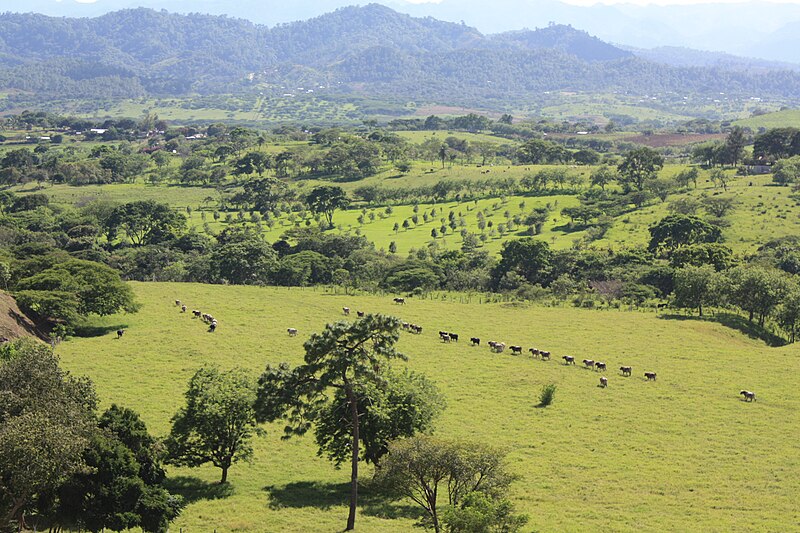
660	140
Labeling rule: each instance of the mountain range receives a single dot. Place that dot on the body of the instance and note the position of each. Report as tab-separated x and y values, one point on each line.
371	51
753	28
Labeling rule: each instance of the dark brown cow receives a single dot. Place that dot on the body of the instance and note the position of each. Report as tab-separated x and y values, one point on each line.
650	376
516	349
599	365
626	370
568	360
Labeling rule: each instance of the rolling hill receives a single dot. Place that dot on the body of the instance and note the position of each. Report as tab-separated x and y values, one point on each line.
370	51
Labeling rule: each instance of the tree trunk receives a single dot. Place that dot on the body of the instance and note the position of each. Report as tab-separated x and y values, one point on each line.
700	307
351	518
224	475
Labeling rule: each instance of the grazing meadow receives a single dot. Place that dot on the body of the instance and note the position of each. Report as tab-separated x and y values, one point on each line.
683	453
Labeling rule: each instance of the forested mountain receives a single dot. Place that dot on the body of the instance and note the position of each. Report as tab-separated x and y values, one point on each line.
372	50
678	56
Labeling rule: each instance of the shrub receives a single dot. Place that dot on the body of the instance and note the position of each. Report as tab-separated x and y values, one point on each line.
547	395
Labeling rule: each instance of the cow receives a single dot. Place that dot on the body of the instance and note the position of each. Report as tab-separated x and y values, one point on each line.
178	303
444	336
588	363
183	308
120	333
292	332
212	327
748	396
516	350
499	347
603	382
626	370
650	376
475	341
545	355
197	313
534	352
360	314
599	365
400	301
346	311
568	360
454	336
416	329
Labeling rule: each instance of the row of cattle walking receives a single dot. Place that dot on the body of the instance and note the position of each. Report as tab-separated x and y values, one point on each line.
196	313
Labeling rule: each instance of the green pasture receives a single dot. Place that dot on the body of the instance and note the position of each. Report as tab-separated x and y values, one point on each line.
778	119
763	211
418	137
683	453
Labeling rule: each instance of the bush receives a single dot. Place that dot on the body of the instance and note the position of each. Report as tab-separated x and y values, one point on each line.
547	395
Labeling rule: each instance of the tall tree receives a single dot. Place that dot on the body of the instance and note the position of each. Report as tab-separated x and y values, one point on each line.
345	358
695	287
218	421
401	405
46	419
674	231
424	468
326	200
638	167
144	222
734	146
528	257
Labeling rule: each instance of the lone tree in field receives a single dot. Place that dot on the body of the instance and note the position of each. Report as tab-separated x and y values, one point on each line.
343	361
425	468
674	231
695	286
217	423
325	200
639	166
144	222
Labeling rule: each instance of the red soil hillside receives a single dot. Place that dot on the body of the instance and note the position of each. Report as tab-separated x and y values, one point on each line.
13	322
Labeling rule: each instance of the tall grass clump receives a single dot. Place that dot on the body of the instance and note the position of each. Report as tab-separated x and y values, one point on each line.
547	395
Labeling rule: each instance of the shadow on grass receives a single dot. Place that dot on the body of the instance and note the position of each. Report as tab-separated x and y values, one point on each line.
88	330
194	489
737	322
326	495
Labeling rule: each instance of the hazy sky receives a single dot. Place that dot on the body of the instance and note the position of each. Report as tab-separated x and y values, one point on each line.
637	2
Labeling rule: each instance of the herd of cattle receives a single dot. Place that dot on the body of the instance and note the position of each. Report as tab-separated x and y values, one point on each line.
449	336
544	355
205	317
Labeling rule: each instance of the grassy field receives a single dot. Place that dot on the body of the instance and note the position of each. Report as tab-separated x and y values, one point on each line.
680	454
763	211
778	119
